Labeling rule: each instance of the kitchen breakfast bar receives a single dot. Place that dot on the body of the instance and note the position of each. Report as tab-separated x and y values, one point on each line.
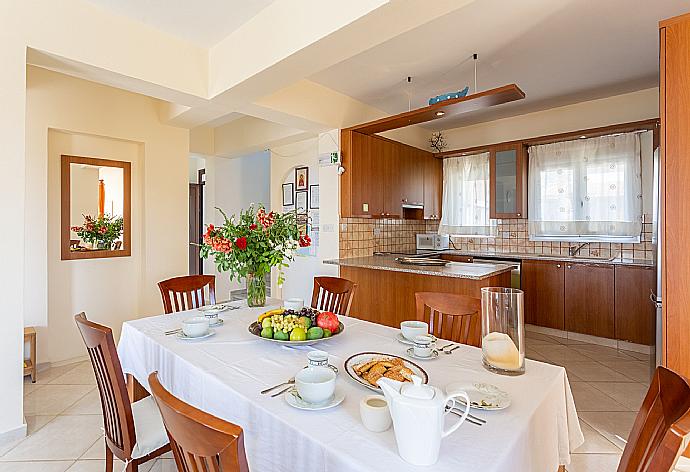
386	287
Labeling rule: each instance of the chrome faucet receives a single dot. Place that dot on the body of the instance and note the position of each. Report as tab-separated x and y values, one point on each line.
574	250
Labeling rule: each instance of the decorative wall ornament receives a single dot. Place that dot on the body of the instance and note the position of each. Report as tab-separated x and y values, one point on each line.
437	142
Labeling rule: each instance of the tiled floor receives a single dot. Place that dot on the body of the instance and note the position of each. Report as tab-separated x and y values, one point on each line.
64	416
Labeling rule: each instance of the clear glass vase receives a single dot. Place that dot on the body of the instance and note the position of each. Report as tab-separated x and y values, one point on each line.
503	330
256	290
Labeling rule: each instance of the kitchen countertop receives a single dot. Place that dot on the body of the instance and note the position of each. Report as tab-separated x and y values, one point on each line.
461	270
546	257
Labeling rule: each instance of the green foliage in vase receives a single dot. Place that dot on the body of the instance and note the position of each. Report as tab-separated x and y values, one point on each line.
103	230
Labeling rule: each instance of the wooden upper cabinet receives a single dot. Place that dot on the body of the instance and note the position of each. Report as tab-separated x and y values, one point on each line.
380	176
589	299
635	312
508	181
543	283
433	187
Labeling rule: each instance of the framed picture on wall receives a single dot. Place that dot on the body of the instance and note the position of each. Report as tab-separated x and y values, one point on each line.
301	178
314	197
288	194
301	198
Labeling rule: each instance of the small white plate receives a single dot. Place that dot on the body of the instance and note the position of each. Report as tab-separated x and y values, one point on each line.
184	337
404	340
213	309
293	399
434	355
483	396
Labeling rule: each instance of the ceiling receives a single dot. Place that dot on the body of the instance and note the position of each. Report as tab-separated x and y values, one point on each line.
203	22
557	51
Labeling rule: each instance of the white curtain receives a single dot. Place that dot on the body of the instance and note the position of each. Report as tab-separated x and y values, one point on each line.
466	196
586	189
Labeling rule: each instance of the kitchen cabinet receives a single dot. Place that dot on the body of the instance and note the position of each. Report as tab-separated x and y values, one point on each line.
589	299
380	175
635	312
543	283
433	187
508	181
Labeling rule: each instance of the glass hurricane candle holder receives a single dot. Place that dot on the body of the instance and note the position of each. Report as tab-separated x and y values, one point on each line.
503	330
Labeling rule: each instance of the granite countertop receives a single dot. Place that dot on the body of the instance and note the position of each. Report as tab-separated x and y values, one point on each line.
461	270
552	257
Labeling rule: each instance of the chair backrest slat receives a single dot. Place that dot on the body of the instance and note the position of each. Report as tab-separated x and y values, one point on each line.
658	435
187	292
200	442
117	411
333	294
450	316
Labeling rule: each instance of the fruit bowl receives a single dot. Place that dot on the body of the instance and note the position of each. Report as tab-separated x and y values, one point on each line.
255	328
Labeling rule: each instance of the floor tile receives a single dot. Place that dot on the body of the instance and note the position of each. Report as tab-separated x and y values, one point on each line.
637	370
80	375
64	438
89	404
614	426
638	355
30	387
595	442
594	463
46	466
595	372
33	424
534	355
627	394
561	353
164	465
54	399
588	398
47	375
601	353
541	339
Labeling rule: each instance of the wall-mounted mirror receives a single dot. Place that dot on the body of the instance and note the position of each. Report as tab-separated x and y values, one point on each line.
96	208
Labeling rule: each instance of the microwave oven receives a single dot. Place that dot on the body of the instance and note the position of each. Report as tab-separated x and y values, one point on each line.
432	241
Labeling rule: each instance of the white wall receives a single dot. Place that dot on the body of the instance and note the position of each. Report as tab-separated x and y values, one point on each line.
232	185
67	115
299	276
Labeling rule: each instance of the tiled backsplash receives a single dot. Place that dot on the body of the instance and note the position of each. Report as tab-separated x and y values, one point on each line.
362	237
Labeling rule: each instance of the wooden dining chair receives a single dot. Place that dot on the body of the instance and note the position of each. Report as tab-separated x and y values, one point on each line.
659	433
450	316
200	441
134	432
333	294
187	292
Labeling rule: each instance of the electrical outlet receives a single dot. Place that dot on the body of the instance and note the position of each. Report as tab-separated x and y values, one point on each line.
377	231
365	207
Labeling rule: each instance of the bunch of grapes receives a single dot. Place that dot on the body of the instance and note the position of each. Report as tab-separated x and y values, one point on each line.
284	323
311	313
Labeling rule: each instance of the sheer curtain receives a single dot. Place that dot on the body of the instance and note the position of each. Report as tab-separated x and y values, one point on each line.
466	196
586	189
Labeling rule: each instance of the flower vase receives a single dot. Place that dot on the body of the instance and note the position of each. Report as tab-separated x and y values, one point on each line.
256	290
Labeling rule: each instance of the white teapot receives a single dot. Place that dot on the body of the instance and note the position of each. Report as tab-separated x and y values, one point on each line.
418	413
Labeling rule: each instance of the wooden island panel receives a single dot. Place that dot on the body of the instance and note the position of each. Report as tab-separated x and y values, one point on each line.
387	297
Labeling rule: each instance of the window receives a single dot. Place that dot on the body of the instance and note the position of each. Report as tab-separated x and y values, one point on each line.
586	189
466	196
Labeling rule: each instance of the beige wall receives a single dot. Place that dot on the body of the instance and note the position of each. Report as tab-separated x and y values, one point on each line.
67	115
635	106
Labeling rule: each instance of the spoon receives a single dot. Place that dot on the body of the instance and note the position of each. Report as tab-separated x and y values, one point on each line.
450	351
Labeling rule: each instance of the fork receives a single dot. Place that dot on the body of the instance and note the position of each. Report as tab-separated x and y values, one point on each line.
173	331
289	382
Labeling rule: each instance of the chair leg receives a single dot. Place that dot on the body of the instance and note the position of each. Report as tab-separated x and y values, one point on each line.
132	466
108	459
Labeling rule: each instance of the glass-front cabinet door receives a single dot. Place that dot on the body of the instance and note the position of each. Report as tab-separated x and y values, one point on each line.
508	180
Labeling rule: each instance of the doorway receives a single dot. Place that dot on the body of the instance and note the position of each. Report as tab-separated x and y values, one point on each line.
196	218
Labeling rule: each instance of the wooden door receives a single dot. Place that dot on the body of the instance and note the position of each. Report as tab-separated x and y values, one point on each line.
366	172
589	299
508	181
675	204
413	189
394	160
433	187
635	312
544	285
195	203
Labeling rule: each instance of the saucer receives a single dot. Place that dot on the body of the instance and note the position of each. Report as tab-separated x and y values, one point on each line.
404	340
294	400
210	310
483	396
434	355
184	337
218	322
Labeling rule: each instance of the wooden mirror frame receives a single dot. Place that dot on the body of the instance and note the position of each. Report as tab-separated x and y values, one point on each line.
65	203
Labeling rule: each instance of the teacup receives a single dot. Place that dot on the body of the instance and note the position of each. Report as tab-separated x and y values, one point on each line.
411	329
195	327
375	414
423	345
315	385
293	304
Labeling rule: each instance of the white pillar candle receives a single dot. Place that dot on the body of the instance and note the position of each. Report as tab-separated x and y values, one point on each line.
500	351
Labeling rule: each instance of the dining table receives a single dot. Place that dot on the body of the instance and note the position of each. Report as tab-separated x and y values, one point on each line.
224	374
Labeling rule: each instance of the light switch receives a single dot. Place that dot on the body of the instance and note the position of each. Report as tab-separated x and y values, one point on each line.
365	207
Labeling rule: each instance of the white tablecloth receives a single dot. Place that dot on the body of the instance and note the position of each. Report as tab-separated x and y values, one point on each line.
223	375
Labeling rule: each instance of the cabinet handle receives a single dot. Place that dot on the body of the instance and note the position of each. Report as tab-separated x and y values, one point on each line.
569	266
558	265
519	214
